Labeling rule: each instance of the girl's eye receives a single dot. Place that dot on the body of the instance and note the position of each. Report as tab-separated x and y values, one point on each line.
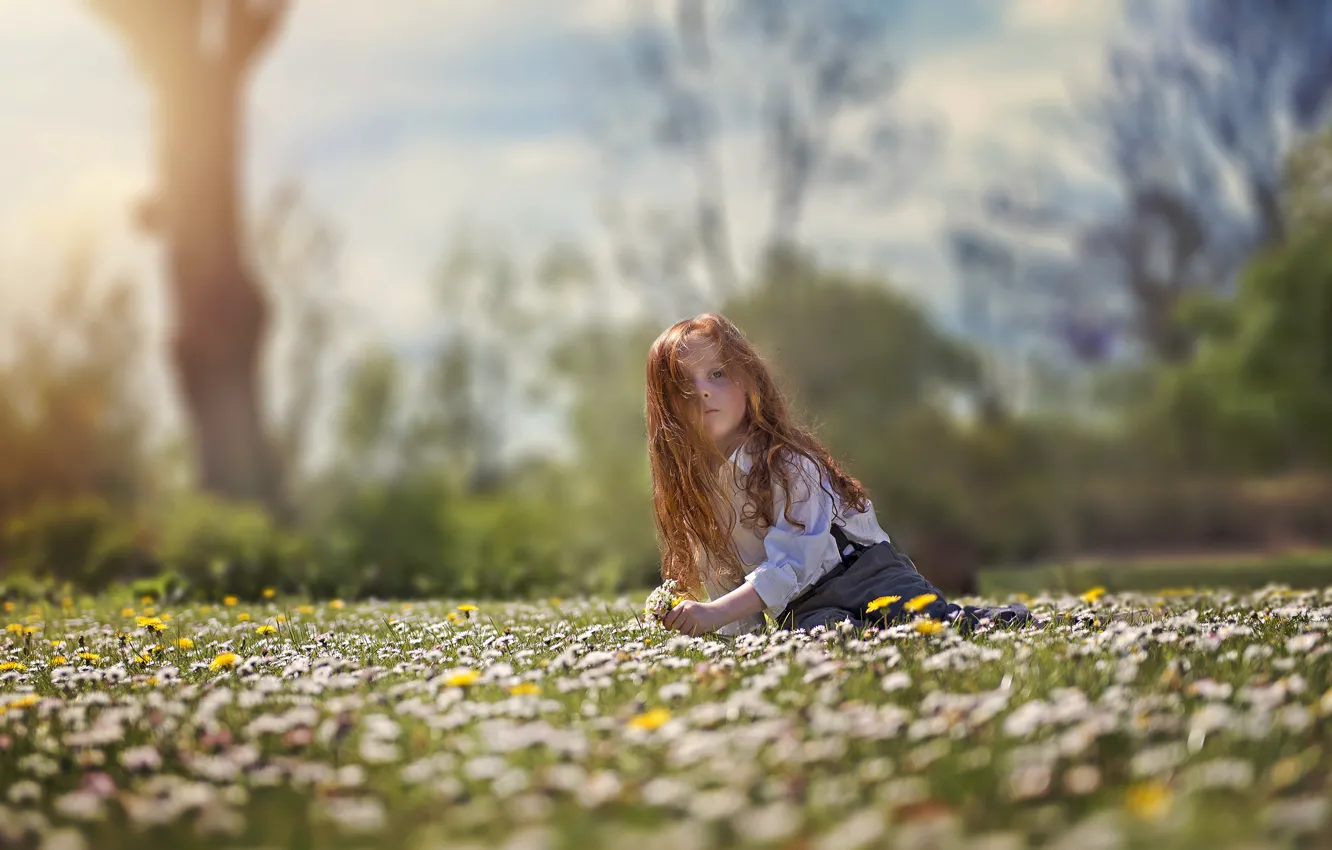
719	373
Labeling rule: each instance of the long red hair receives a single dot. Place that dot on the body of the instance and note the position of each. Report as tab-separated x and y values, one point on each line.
688	495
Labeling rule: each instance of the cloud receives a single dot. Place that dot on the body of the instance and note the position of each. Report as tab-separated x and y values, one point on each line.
405	120
397	215
1061	16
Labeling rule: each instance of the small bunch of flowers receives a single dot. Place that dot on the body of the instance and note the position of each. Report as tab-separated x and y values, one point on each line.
661	601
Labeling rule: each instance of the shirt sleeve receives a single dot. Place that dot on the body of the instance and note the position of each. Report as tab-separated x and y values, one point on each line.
796	557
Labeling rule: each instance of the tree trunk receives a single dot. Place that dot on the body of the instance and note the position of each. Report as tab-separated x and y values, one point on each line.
219	314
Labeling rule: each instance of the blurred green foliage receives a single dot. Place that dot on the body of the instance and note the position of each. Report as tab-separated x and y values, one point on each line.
1227	451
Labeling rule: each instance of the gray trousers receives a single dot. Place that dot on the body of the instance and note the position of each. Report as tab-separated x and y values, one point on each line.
881	570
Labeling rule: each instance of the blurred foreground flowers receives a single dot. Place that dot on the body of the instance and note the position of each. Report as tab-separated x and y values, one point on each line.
1172	720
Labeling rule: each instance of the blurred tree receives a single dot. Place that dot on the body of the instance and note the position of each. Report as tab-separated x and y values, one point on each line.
1199	94
814	79
1308	196
856	354
609	493
73	414
506	315
297	252
197	57
1257	397
368	428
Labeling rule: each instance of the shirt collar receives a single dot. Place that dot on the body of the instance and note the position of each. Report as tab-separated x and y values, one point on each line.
742	458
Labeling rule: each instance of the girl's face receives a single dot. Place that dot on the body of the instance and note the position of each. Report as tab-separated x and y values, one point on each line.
720	396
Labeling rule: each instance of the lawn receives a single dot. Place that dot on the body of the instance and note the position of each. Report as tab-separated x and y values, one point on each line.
1240	570
1125	720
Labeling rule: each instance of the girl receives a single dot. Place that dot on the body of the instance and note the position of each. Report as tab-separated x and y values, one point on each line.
751	511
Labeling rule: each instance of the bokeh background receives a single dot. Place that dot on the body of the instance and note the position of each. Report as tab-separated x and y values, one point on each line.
353	299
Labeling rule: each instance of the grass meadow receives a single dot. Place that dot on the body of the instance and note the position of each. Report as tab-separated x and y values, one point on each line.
1175	719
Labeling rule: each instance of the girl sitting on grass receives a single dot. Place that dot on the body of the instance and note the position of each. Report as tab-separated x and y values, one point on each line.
753	513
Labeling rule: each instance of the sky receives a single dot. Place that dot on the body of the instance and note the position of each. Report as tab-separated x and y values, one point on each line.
406	121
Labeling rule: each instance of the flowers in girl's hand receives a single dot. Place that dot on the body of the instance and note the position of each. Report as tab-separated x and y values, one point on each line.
661	601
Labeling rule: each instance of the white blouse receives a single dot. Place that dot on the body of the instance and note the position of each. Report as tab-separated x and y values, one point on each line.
780	561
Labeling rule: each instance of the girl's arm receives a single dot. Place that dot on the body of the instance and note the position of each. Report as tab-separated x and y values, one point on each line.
792	551
696	618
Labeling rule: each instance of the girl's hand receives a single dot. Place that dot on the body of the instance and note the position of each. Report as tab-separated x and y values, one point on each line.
693	618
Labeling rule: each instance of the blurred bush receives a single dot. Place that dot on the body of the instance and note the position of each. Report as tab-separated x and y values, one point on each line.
1226	451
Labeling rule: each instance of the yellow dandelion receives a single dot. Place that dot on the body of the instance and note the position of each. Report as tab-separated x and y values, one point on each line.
166	617
59	659
282	618
929	627
25	701
918	602
525	689
1094	594
462	678
9	606
147	621
6	666
882	602
649	720
265	629
16	628
90	656
223	659
556	601
335	604
466	609
1148	800
229	600
143	657
269	593
243	617
304	609
30	630
185	643
1285	772
452	616
149	612
127	612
